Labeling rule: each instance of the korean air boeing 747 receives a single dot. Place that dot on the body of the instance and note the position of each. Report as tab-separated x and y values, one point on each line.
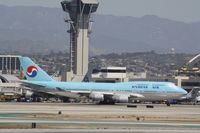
39	80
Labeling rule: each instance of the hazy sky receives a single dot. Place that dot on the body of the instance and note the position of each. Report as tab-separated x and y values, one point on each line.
182	10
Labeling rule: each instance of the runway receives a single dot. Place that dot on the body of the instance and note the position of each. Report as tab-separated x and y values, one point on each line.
98	118
92	131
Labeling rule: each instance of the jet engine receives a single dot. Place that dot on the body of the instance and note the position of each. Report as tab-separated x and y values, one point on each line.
121	98
97	96
197	99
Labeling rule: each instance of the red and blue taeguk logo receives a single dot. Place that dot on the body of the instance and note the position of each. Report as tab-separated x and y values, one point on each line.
32	71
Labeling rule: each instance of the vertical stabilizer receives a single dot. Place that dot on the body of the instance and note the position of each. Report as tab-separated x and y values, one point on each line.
32	71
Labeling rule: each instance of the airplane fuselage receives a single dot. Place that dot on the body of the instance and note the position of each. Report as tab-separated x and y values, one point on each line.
149	90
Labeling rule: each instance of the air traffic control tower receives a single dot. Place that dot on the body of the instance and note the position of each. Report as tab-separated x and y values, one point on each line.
80	26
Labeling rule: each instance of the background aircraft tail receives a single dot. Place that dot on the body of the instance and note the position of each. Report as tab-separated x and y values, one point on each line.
32	71
194	92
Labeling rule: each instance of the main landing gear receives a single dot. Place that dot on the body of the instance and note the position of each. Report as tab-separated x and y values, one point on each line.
107	102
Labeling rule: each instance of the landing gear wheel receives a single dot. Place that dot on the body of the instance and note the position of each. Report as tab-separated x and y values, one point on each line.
107	102
168	104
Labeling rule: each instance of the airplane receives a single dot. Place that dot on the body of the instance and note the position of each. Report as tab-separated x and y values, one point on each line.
40	81
193	95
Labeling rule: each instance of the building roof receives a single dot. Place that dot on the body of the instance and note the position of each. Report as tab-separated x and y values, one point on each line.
10	56
90	1
114	68
9	78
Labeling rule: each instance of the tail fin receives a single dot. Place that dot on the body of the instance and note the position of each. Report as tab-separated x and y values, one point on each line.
32	71
194	92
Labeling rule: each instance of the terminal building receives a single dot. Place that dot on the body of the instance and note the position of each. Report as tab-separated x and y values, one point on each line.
188	76
9	64
110	74
9	81
191	68
10	87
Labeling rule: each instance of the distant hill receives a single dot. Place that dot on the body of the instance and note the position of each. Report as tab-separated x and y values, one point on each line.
40	29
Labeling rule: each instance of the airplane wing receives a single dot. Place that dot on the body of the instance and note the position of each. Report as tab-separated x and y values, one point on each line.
75	94
35	87
136	95
110	95
89	92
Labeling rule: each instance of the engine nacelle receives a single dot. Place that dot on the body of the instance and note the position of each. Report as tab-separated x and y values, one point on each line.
121	98
198	99
97	96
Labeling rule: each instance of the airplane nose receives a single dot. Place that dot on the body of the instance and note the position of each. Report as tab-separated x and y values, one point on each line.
184	91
